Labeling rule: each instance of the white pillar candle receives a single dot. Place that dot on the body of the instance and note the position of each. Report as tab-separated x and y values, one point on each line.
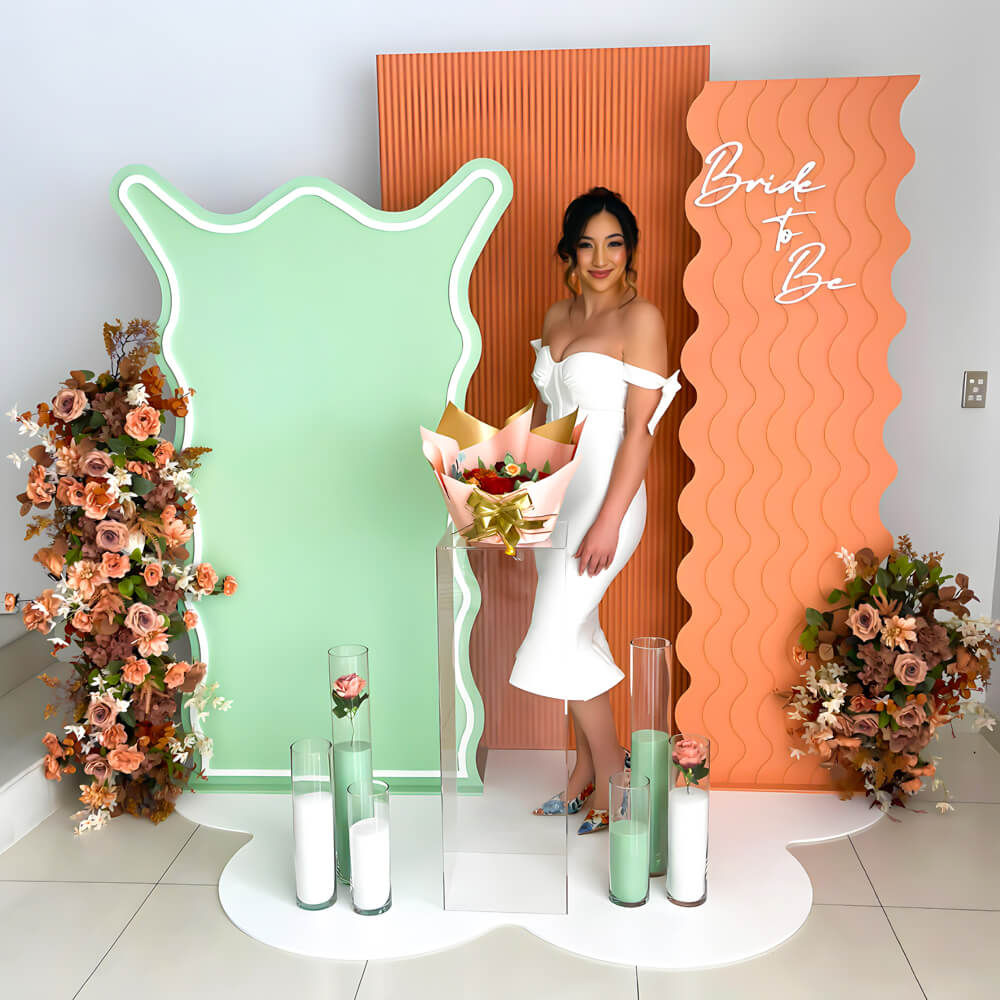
315	868
687	843
370	881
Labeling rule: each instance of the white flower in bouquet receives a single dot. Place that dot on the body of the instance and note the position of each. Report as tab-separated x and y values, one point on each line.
137	395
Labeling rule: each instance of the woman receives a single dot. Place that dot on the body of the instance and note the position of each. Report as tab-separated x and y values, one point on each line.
602	351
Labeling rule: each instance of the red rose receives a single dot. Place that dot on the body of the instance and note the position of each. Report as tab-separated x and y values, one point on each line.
496	485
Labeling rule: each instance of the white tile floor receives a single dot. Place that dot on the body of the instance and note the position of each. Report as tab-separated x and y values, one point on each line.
905	910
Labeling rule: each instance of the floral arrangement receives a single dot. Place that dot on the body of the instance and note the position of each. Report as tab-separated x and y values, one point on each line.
491	496
118	512
347	697
690	756
882	673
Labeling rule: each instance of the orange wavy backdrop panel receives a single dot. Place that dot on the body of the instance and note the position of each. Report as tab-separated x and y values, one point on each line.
560	121
792	396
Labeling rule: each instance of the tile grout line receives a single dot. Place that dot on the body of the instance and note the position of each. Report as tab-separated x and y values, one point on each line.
361	980
916	978
637	997
135	914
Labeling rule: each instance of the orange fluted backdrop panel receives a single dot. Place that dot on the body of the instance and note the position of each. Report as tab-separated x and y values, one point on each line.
560	121
793	390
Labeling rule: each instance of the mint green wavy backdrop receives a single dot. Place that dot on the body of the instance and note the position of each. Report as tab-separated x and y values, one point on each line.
319	334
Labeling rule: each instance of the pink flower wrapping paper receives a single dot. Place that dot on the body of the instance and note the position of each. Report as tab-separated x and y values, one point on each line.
477	441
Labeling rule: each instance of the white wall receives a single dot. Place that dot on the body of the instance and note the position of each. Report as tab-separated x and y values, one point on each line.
228	100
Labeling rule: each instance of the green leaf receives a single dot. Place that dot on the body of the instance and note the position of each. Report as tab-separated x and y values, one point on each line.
534	475
119	461
125	587
807	639
899	696
127	717
87	376
883	718
96	420
547	468
891	685
144	453
815	618
119	444
142	593
482	464
140	486
835	595
73	556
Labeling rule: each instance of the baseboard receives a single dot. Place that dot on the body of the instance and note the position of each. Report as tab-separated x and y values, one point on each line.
25	801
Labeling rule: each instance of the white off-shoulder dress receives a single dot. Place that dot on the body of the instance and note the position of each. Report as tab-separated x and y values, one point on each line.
565	653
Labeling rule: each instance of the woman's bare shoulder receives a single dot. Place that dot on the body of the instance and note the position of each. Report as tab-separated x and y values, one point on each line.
557	313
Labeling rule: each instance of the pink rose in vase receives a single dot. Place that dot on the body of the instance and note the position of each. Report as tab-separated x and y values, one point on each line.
348	698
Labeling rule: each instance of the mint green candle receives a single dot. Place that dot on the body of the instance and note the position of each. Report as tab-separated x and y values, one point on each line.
352	765
629	862
651	759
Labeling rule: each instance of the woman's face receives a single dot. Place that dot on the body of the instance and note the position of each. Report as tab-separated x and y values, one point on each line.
601	254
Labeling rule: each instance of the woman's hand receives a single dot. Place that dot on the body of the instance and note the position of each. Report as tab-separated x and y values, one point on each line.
597	550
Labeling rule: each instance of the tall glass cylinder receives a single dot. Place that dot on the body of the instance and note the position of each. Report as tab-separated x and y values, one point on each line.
312	823
350	707
371	873
650	662
687	823
628	858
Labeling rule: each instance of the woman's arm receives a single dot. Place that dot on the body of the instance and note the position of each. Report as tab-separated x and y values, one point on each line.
645	347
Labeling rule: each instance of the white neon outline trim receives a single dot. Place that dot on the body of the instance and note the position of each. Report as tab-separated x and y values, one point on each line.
133	180
238	772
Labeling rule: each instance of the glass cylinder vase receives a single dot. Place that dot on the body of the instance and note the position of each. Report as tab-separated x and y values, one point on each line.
650	661
628	846
312	823
350	711
371	872
687	820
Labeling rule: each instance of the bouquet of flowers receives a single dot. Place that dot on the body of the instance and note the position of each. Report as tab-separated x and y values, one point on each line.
883	672
501	485
118	511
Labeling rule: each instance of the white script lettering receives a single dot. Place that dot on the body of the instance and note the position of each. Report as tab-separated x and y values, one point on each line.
812	282
722	181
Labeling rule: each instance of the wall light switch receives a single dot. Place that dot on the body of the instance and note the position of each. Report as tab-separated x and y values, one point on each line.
974	390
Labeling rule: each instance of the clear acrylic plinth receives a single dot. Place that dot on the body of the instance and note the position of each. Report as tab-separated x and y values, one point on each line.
503	750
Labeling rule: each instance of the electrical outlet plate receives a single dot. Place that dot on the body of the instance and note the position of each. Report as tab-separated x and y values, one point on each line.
974	390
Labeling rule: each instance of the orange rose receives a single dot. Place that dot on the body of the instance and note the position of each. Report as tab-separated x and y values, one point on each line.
52	557
51	765
142	422
176	531
139	469
97	501
126	759
114	736
51	742
164	453
174	677
10	604
152	574
134	671
40	491
63	494
114	565
912	786
229	586
190	619
207	577
82	621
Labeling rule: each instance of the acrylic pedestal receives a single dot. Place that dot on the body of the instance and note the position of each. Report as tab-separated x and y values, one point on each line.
496	855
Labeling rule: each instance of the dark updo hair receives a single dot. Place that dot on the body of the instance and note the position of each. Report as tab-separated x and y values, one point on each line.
579	212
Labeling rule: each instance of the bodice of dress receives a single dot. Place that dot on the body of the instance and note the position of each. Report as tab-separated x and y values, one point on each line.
597	384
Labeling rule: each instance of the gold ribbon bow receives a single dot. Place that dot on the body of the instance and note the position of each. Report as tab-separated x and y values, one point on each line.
502	517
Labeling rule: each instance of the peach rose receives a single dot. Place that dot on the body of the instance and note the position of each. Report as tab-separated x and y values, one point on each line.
174	677
95	463
349	686
859	703
97	767
115	565
40	491
134	671
97	501
51	768
153	644
126	759
864	621
114	736
139	469
152	574
36	618
66	491
76	495
52	744
190	619
10	603
911	786
176	532
163	453
910	715
924	770
909	669
82	621
865	725
142	619
142	422
799	656
194	676
51	557
688	753
102	712
68	404
85	576
112	536
207	577
229	586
